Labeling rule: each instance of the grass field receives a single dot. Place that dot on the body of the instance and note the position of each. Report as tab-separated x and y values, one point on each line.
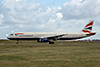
61	54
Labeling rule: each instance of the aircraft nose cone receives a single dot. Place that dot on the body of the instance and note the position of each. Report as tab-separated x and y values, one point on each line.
6	35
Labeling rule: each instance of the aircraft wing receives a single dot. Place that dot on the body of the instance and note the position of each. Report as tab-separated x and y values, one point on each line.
55	36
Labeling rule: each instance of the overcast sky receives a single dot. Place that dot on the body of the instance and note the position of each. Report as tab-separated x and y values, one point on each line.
48	16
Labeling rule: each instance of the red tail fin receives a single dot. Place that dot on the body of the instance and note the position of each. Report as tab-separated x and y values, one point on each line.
88	27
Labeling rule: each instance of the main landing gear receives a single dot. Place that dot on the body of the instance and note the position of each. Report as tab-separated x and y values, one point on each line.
51	42
17	42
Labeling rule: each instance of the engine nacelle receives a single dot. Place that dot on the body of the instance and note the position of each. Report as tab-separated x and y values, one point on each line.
43	40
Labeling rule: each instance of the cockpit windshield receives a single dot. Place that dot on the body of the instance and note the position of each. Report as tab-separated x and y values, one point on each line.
11	34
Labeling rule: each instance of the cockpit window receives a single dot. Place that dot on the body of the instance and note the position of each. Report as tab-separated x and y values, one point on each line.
11	34
15	34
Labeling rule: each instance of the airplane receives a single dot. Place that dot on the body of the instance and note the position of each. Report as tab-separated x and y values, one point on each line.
53	36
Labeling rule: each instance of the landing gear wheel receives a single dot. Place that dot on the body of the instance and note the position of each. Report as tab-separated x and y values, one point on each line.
17	42
51	42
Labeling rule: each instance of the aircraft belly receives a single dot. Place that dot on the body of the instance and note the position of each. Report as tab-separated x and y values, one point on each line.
70	37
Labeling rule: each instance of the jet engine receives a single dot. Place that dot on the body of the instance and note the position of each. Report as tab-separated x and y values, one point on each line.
43	40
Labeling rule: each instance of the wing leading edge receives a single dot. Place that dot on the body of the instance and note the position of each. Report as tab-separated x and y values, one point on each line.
55	36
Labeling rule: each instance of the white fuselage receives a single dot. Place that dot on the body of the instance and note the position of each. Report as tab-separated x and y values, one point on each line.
37	35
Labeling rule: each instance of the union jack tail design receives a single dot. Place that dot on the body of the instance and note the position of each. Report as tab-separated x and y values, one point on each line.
88	27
